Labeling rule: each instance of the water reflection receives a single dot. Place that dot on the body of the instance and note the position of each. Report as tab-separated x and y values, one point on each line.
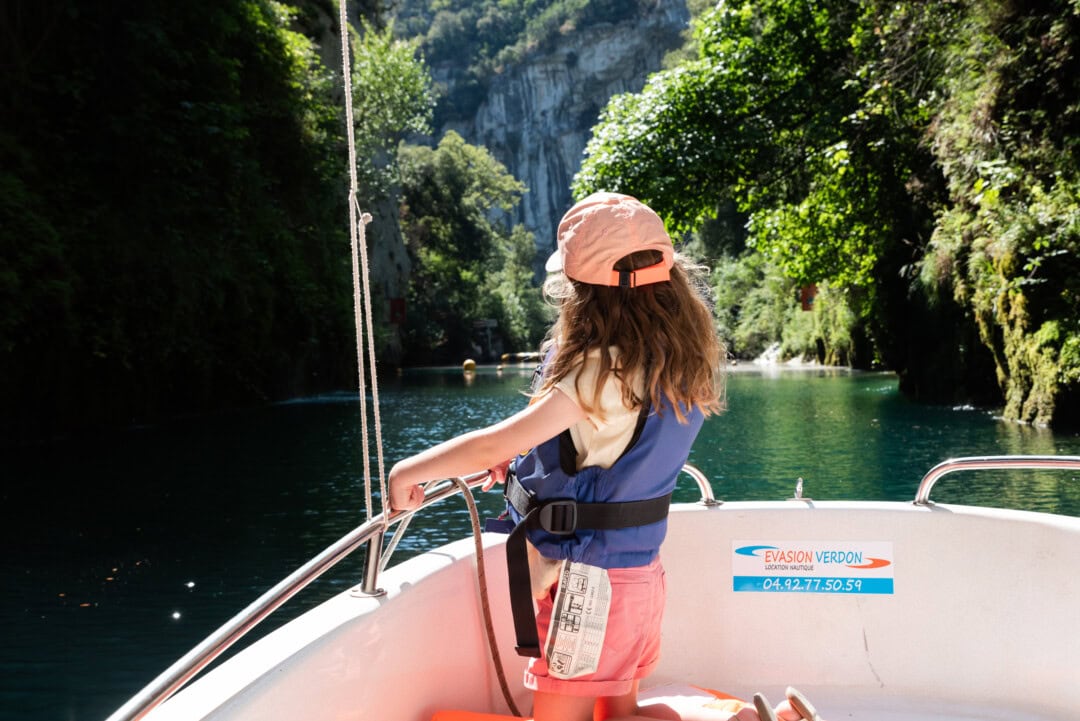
851	436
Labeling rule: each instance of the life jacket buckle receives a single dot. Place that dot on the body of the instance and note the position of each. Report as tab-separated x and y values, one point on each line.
558	517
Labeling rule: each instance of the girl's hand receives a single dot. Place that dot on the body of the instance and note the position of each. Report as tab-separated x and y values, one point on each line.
496	474
403	496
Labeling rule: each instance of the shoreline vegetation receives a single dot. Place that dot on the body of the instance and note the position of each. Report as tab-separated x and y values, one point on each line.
873	184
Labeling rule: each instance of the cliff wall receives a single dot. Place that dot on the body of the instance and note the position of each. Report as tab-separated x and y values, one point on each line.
538	115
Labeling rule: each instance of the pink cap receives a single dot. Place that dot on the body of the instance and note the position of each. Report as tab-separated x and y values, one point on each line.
603	228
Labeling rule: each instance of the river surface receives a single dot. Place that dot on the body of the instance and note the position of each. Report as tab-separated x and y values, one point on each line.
123	552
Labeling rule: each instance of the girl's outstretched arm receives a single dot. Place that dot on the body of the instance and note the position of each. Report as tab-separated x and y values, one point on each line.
474	451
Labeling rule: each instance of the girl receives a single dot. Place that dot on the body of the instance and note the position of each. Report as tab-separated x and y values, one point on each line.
632	367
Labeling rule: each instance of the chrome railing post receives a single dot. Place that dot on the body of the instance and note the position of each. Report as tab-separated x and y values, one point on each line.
707	497
372	564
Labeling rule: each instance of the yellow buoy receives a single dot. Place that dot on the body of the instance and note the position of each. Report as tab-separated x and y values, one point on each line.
468	365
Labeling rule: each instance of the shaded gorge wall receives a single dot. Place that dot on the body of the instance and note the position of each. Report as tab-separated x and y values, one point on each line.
535	116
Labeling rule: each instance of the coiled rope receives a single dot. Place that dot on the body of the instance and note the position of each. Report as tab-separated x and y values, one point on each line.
360	273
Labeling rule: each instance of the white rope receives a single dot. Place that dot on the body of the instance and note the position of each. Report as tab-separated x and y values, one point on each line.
368	318
360	269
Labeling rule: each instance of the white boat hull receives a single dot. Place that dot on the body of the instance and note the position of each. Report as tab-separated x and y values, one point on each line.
982	623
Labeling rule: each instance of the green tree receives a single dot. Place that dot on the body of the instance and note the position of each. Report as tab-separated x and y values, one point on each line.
173	177
752	301
466	265
760	122
392	98
738	122
918	160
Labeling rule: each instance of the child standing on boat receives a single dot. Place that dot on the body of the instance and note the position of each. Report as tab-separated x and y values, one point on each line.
632	367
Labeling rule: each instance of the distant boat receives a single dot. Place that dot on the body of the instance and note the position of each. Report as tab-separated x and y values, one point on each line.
875	610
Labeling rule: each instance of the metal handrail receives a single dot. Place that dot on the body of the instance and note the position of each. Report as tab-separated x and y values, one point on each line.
187	666
972	463
370	533
707	497
170	680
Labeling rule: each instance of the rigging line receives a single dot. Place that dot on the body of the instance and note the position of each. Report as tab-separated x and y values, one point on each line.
358	243
357	239
368	315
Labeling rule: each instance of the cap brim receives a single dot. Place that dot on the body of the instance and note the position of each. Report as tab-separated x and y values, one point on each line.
554	262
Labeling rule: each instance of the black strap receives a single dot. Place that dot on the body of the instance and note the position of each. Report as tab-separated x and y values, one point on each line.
517	566
561	517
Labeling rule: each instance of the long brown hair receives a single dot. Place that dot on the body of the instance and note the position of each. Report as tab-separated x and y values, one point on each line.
664	332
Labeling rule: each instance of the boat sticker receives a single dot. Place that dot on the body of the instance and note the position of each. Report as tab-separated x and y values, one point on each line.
812	566
578	620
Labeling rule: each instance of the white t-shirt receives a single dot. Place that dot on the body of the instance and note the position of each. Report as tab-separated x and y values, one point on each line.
602	437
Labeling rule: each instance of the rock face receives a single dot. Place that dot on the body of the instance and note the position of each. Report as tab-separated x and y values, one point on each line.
538	115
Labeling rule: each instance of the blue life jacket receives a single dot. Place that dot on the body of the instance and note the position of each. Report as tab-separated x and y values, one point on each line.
647	469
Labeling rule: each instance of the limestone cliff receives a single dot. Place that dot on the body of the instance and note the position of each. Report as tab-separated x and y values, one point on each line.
538	115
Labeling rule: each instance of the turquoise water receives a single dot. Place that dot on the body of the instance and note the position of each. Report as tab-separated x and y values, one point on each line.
848	435
124	551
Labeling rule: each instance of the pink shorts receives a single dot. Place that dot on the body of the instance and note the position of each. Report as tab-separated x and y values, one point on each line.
631	645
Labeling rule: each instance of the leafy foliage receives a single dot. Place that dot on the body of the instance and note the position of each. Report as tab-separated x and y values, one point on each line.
917	159
767	119
732	121
752	302
755	312
172	180
467	267
392	97
172	195
1008	139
